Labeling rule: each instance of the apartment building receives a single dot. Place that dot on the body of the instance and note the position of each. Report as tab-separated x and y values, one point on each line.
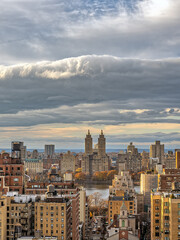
165	215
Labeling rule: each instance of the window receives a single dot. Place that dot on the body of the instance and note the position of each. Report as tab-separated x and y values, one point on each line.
166	211
178	205
62	219
166	204
123	223
166	217
62	225
156	208
157	221
62	214
157	234
179	212
52	208
16	179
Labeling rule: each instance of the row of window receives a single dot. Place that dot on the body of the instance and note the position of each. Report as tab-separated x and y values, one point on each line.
51	208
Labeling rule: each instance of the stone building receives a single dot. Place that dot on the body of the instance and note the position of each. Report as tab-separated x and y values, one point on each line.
33	165
131	158
68	162
95	160
157	151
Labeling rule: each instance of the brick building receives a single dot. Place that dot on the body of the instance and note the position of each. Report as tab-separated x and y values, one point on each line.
11	174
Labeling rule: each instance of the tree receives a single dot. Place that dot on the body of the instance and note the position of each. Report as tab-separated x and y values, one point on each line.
111	174
99	176
80	176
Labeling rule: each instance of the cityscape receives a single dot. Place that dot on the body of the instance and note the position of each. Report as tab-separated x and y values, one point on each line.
89	120
90	194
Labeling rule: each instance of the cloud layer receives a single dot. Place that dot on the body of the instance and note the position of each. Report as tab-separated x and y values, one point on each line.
91	91
51	29
111	65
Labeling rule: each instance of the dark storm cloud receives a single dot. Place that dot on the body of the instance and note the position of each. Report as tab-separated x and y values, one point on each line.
90	89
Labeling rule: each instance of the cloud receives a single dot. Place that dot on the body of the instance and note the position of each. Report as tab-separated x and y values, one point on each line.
58	29
90	89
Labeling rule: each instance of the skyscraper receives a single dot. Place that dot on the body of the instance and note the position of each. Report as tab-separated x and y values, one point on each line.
49	150
101	144
88	143
95	160
157	151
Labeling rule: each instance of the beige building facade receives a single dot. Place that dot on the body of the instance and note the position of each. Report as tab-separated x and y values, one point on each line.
165	216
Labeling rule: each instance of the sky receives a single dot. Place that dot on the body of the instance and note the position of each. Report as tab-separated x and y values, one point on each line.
67	66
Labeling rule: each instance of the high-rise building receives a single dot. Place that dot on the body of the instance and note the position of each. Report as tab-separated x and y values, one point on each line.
131	158
53	216
88	144
49	150
11	174
121	192
177	151
18	150
157	151
165	215
95	160
33	165
35	154
101	144
68	162
16	216
148	181
31	215
167	178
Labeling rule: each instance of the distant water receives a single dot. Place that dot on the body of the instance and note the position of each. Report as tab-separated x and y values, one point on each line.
108	150
103	190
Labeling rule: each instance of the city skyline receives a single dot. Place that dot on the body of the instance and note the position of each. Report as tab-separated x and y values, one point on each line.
68	67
